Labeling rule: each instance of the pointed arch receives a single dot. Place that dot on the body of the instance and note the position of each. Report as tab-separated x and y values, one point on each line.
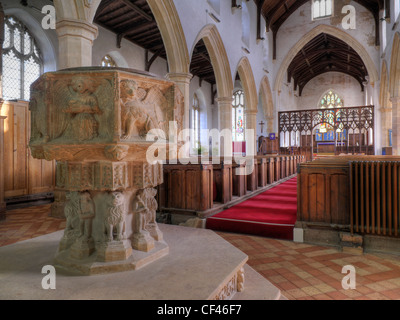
340	34
266	98
171	30
394	82
248	83
219	59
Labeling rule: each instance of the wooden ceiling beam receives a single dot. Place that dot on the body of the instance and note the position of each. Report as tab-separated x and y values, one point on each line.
138	10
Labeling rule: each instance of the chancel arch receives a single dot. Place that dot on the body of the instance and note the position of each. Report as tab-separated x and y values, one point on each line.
337	33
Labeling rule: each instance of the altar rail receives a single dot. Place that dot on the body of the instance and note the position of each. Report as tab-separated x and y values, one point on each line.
209	186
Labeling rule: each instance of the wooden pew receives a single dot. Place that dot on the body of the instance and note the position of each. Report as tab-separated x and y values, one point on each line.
239	182
222	173
187	187
252	178
270	170
262	171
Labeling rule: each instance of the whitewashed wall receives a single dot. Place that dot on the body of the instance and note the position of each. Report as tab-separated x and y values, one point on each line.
346	86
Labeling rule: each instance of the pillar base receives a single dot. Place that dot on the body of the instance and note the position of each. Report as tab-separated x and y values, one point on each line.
92	266
82	249
142	242
114	251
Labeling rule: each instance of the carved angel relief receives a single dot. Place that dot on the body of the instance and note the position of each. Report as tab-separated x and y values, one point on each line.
37	107
82	106
141	110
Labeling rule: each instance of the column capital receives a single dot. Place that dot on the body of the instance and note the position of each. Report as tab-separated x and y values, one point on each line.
224	100
77	28
395	100
251	112
179	76
386	109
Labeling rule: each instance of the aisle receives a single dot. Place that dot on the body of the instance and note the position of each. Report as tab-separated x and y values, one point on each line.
271	214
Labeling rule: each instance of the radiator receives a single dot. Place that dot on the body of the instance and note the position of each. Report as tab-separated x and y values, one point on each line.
374	197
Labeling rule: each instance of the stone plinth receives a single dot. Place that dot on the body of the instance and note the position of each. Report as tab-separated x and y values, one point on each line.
100	125
191	271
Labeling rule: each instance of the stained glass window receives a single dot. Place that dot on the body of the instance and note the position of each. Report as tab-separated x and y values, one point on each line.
196	121
331	100
22	63
238	117
322	8
107	61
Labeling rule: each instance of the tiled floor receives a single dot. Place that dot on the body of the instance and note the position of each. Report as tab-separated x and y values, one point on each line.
27	223
301	271
304	271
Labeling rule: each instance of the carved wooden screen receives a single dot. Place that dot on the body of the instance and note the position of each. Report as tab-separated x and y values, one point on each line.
351	121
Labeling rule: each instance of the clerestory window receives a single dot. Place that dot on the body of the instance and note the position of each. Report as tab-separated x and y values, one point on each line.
322	8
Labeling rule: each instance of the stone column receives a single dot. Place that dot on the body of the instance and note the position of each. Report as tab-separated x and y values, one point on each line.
75	38
182	80
2	203
396	125
225	125
270	125
386	114
251	123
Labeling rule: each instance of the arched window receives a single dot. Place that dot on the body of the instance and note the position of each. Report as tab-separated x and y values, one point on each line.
331	100
107	61
238	118
196	121
322	8
22	62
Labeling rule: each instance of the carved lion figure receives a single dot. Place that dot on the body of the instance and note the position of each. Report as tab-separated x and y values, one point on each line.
115	217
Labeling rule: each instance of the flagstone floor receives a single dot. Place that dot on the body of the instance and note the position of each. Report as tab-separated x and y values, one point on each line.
301	271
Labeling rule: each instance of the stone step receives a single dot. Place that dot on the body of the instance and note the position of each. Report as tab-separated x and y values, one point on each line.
256	287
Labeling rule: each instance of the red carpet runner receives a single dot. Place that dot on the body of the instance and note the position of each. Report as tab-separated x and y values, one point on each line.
270	214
